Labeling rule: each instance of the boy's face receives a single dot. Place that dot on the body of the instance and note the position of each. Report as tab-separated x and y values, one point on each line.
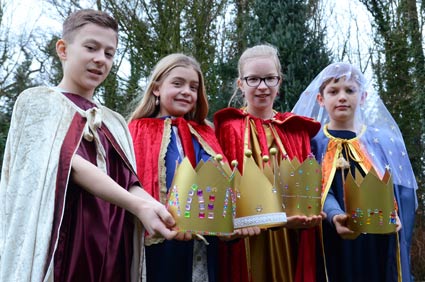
178	92
87	59
341	99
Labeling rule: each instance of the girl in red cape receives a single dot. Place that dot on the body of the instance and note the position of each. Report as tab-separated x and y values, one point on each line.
281	254
168	125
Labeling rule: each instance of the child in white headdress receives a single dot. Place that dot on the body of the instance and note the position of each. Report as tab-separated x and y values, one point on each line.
365	135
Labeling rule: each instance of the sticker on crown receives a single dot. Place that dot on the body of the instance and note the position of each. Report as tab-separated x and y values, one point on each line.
301	186
369	203
201	200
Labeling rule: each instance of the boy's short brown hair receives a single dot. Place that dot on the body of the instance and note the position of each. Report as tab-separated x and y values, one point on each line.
80	18
325	83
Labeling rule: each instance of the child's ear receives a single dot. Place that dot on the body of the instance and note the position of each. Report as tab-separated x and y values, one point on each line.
239	83
155	90
319	99
61	49
363	98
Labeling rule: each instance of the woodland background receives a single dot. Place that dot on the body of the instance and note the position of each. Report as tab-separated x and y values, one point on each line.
309	34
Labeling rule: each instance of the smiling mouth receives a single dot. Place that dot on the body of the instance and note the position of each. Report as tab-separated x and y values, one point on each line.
97	72
183	101
262	95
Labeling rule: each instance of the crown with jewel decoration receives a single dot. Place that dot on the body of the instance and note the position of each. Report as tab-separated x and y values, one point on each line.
201	200
300	184
258	202
369	203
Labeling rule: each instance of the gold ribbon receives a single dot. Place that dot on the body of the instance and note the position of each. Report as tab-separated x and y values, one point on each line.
334	153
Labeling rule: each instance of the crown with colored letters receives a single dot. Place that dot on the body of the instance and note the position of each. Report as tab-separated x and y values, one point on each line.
369	203
201	200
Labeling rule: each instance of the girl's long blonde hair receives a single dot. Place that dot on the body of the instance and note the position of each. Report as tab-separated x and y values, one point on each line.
147	107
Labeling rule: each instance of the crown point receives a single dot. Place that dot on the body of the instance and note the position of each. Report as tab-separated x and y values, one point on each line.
219	157
234	163
248	153
266	158
273	151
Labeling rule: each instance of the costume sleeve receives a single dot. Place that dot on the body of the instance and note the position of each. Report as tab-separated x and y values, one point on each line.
406	201
331	207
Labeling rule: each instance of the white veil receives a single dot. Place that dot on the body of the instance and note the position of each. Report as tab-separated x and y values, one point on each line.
382	140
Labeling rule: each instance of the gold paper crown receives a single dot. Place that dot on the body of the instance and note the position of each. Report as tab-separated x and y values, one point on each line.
258	202
201	200
369	203
301	186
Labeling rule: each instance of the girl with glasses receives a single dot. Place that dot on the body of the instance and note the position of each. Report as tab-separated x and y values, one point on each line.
273	254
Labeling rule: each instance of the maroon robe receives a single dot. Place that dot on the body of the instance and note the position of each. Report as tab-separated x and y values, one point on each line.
95	236
295	133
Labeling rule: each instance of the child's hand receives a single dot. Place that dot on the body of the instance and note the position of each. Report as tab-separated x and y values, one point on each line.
302	221
398	224
156	219
184	236
242	233
340	222
154	216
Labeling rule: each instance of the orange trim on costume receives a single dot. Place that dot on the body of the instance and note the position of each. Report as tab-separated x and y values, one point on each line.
334	151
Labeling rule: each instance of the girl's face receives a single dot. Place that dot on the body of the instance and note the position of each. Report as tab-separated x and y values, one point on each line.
341	99
178	92
260	99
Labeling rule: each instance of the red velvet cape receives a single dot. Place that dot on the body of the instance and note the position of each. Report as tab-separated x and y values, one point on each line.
295	133
148	133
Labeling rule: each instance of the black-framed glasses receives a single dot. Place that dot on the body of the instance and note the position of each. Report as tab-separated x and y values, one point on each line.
255	81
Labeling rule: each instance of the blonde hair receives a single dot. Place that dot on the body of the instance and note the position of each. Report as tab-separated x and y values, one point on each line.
147	107
258	51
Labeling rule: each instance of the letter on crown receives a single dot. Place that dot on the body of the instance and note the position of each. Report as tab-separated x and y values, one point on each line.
201	200
369	203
